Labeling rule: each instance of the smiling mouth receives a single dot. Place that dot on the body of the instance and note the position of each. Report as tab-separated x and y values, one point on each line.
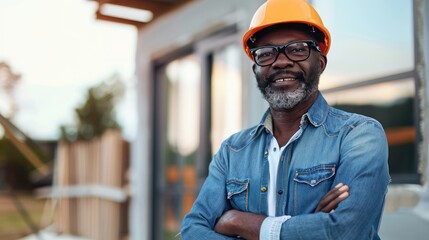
284	80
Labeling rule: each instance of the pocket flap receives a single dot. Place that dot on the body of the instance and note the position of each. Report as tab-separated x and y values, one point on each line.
234	187
314	175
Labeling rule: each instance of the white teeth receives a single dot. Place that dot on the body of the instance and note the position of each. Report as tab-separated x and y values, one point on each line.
285	79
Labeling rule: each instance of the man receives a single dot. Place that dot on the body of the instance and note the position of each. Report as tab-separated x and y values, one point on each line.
307	170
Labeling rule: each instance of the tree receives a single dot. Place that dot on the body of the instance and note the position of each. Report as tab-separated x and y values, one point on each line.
96	114
18	153
8	81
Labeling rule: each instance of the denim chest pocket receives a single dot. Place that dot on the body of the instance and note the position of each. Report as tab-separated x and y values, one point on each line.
315	175
310	185
238	193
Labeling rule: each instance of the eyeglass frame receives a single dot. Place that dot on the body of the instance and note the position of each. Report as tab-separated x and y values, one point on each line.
282	48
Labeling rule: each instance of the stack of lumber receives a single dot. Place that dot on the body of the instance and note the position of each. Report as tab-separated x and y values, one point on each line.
90	187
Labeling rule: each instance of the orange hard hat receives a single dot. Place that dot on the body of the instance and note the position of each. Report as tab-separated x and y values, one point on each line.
286	11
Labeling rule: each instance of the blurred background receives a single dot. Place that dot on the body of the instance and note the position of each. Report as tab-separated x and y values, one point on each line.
110	110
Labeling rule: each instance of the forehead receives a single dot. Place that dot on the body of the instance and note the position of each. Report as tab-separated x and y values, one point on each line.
281	35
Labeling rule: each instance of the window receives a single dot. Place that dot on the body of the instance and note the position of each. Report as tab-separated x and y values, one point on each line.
226	94
197	104
371	70
177	133
391	103
365	40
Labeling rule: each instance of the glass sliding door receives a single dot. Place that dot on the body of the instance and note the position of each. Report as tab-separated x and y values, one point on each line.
197	104
177	134
226	94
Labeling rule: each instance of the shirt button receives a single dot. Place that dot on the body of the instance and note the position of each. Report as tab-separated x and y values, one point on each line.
280	192
313	181
266	153
274	149
263	189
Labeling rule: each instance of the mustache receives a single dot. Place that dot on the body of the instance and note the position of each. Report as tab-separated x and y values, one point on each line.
275	75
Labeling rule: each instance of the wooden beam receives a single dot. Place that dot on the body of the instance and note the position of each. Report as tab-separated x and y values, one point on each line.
18	139
100	16
157	8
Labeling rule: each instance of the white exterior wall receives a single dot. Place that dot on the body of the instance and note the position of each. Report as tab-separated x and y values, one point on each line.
167	34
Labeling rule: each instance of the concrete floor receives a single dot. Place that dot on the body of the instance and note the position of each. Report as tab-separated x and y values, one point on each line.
404	224
405	216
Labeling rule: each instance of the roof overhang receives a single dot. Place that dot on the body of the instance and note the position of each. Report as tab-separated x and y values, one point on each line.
152	8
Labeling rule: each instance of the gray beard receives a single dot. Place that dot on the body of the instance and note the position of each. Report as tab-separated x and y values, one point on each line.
279	100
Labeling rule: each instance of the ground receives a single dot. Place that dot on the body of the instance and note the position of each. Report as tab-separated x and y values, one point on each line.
12	224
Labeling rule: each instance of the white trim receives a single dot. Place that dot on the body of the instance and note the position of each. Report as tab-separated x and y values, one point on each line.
422	209
425	39
101	191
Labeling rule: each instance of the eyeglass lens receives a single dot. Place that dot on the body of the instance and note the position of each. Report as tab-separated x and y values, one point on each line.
297	51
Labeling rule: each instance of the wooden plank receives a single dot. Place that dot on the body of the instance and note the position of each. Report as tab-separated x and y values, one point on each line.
102	161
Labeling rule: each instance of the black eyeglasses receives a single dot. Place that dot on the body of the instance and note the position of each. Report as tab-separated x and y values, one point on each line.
296	51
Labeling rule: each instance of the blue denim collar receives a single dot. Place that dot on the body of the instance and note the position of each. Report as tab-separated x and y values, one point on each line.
318	112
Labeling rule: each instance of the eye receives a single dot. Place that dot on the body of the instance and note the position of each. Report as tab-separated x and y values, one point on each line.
297	48
264	53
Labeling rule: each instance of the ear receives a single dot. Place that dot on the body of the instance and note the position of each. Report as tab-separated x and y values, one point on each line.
254	68
323	61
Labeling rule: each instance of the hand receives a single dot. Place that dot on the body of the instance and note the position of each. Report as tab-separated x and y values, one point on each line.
331	200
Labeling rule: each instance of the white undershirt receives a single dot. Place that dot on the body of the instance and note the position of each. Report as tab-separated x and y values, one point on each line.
274	154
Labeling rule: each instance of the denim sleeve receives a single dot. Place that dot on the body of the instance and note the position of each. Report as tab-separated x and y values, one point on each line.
209	205
271	227
363	167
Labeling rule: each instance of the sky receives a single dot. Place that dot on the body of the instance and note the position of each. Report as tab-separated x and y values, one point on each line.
61	50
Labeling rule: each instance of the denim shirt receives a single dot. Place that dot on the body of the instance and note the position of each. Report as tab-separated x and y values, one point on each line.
333	146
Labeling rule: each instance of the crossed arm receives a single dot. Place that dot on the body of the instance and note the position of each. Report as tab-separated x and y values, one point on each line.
247	225
363	167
